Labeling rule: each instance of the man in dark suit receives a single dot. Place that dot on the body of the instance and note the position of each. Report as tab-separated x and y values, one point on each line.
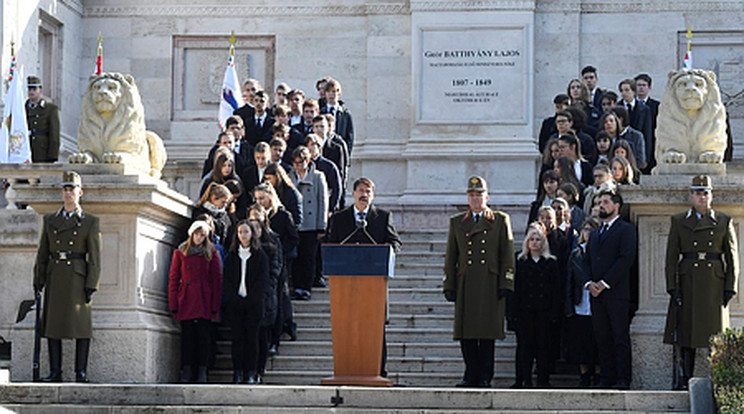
589	75
334	148
379	222
252	175
611	251
361	222
334	106
639	115
328	168
548	127
643	87
258	127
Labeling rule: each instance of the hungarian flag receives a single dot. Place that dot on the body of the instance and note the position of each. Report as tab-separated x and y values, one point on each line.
231	98
99	58
14	145
687	61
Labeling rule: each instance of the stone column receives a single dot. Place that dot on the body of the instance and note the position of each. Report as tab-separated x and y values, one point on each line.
652	204
135	340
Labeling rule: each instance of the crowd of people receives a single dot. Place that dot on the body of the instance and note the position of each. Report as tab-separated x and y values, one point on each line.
597	140
269	186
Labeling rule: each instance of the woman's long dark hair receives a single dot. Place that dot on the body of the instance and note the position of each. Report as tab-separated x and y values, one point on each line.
255	242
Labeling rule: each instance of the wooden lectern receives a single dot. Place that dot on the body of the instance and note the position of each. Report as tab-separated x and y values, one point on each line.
358	276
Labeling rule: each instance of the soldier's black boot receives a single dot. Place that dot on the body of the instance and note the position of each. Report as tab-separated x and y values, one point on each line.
55	361
82	347
201	375
186	374
688	365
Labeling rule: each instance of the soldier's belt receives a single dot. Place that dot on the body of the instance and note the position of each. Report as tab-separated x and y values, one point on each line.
701	256
39	133
67	256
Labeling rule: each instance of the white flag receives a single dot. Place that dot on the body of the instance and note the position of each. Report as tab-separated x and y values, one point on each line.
232	97
14	139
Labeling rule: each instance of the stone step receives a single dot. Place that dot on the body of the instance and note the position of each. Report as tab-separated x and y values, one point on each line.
430	365
418	269
396	308
412	281
323	320
395	294
214	398
503	350
404	335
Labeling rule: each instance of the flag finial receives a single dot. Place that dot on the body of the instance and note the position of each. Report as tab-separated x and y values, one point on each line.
689	32
12	48
232	38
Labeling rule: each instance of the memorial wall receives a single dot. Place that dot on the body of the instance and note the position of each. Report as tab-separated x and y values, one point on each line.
438	89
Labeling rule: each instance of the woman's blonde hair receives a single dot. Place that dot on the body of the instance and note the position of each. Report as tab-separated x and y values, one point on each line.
535	229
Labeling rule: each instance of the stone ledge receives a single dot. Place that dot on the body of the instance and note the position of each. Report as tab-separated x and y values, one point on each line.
353	397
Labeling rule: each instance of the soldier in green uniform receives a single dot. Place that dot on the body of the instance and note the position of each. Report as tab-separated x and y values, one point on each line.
478	274
42	118
67	269
702	266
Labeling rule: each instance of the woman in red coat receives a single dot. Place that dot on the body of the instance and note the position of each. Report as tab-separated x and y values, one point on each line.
194	291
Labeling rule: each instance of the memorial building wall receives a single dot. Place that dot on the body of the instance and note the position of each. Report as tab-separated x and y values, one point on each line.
411	137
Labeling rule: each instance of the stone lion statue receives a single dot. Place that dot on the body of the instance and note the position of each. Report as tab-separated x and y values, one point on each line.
692	119
112	126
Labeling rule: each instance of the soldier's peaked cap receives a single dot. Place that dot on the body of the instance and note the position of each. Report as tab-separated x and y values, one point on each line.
701	182
477	183
71	178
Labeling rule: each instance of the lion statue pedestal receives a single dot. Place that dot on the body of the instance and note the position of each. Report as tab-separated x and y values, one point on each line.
112	127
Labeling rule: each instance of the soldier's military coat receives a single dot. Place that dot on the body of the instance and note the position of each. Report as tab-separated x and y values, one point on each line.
43	128
701	280
65	313
479	262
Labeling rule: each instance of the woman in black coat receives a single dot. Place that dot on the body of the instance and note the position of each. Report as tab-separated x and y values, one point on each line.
271	245
289	195
246	273
282	224
581	347
535	307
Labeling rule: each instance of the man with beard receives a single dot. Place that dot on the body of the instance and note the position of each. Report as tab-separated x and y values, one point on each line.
611	251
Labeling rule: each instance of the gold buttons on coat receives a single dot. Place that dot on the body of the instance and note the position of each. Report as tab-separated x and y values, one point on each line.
483	242
696	265
483	261
470	252
470	242
470	262
483	251
694	243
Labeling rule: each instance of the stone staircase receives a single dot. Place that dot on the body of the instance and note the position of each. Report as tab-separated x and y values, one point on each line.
421	351
237	399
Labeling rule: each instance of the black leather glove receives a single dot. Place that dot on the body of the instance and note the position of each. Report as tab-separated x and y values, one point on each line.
38	287
676	296
727	295
450	295
89	294
504	293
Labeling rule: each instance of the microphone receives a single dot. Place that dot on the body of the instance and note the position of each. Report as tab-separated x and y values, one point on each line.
359	225
363	225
